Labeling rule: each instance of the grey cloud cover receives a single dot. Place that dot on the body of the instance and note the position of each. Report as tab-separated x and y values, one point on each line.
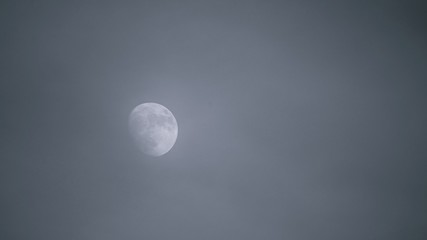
297	120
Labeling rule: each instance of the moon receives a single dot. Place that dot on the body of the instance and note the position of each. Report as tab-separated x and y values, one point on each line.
153	128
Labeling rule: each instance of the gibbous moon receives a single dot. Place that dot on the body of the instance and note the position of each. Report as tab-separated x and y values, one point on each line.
154	128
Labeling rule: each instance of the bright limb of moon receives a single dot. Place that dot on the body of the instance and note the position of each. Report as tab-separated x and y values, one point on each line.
154	128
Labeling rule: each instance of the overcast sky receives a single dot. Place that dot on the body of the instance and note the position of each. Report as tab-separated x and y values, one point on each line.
298	120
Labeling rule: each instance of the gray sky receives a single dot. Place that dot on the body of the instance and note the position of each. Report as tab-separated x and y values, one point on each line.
297	120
